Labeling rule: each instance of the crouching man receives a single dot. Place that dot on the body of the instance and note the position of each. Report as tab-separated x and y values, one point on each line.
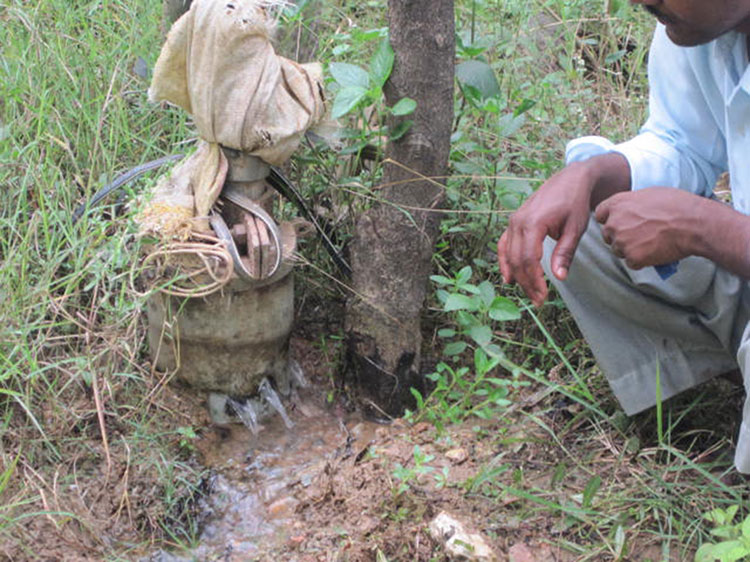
654	270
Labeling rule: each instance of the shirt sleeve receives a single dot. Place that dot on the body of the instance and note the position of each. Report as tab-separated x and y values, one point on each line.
680	144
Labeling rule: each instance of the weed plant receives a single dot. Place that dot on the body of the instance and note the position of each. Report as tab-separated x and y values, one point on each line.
88	446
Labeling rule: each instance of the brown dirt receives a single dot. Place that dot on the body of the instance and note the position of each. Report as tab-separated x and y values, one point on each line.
518	481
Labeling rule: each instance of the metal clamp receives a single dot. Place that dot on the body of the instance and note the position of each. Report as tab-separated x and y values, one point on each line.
222	231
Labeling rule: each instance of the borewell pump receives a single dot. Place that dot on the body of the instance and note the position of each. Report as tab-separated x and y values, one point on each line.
226	329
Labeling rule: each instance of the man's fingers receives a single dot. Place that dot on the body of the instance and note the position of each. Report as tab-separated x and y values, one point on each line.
562	255
601	213
532	278
502	258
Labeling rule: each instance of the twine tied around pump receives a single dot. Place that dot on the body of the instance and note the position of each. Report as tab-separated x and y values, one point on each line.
219	65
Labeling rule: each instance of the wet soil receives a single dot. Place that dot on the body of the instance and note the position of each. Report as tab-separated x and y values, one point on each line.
338	488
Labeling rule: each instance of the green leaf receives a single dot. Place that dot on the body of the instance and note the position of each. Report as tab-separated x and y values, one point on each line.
417	396
381	64
482	335
503	309
469	288
446	333
461	302
404	106
479	75
746	527
620	542
487	293
705	553
400	130
441	280
716	516
509	124
347	75
454	348
346	100
494	350
590	490
729	551
614	57
464	275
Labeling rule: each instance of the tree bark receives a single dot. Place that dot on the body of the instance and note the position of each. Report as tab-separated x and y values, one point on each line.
394	241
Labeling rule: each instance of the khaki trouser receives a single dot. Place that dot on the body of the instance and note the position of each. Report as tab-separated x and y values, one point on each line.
695	325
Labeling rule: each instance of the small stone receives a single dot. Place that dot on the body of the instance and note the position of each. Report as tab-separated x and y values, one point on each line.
421	427
282	506
296	541
519	552
457	456
457	542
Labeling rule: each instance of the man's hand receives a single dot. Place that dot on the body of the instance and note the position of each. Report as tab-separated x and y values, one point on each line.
559	209
651	226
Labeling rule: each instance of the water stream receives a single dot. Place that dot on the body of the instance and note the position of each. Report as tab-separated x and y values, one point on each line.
245	410
257	475
268	394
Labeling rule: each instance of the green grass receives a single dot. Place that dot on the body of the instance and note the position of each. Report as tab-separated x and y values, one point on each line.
79	403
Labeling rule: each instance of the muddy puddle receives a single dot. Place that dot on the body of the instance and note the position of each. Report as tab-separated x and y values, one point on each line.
256	479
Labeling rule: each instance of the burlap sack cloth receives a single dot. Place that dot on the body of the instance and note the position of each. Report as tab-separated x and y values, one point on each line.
218	64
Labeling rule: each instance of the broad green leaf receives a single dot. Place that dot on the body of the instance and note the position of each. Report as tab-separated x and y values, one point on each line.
503	309
446	333
729	551
346	100
724	532
469	288
716	516
479	75
746	527
454	348
441	279
404	106
487	293
705	553
460	302
494	350
348	75
464	275
482	335
381	64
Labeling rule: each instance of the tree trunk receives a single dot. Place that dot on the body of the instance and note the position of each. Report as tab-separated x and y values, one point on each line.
394	241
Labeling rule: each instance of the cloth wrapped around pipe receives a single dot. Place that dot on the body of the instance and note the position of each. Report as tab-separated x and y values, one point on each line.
218	63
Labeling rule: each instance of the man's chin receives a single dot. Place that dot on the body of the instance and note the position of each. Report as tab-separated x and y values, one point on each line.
687	37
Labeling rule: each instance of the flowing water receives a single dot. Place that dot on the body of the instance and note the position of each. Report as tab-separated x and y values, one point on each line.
268	394
256	477
246	412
